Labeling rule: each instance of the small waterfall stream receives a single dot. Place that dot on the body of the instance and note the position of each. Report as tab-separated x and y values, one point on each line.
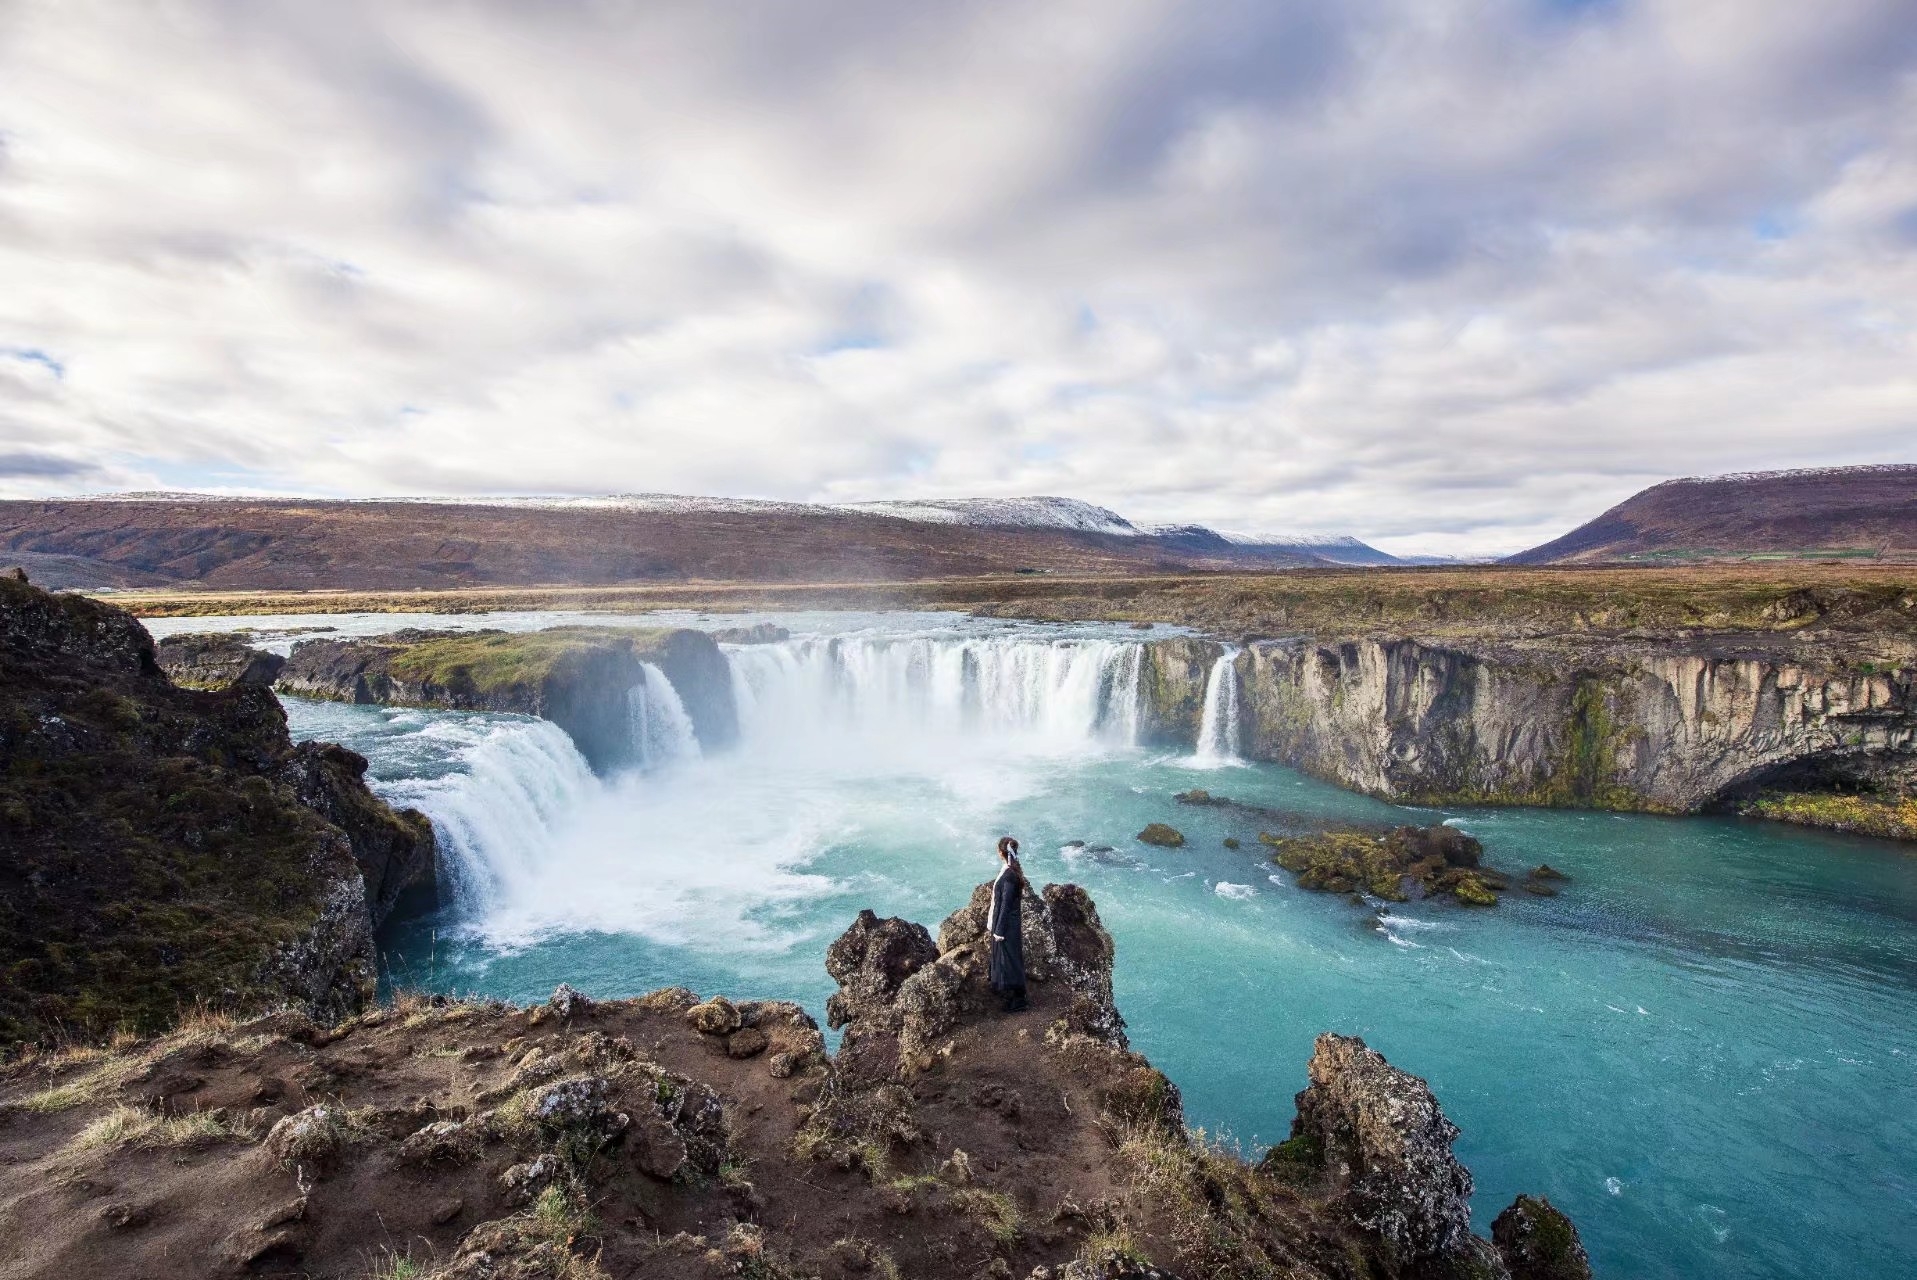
661	729
1220	728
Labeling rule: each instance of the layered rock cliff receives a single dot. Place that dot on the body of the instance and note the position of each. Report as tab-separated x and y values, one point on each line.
1667	725
669	1136
162	848
577	677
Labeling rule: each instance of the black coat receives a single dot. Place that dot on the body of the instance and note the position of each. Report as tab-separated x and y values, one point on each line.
1007	922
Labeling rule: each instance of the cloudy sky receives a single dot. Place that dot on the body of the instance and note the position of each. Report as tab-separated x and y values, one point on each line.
1450	276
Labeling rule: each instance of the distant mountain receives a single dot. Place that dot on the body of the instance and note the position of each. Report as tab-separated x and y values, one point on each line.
424	543
1007	513
1332	547
1834	511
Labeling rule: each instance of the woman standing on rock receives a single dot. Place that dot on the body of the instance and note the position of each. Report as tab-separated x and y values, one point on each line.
1005	924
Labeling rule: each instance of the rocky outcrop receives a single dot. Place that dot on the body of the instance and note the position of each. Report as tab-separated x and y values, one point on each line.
1663	726
1385	1148
669	1136
162	847
580	678
394	848
216	661
757	633
1539	1243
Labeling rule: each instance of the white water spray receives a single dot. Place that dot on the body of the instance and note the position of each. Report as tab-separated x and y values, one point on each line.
1219	728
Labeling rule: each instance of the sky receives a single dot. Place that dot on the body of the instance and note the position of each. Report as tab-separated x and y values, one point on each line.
1449	276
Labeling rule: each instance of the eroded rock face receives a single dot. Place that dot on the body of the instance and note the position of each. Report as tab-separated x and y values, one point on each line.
1612	724
216	661
394	848
1386	1148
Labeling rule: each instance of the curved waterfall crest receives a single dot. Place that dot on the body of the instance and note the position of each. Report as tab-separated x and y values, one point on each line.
1068	692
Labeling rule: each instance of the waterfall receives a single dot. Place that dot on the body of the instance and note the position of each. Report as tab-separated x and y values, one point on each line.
1066	693
661	730
1218	730
495	811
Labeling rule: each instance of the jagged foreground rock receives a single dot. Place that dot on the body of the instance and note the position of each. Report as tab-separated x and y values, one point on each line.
672	1137
162	848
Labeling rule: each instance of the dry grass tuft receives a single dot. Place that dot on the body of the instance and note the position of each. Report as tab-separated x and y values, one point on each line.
127	1127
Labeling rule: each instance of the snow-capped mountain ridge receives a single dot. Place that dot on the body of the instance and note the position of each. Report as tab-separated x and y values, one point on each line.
1025	513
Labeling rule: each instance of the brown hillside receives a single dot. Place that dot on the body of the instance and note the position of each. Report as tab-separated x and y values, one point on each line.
1848	510
289	544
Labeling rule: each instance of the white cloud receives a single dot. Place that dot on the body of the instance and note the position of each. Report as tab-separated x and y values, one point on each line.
1444	275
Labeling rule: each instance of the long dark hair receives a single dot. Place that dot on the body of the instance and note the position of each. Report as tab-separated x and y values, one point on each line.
1008	853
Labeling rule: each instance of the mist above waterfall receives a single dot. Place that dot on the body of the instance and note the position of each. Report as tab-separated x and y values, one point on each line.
842	737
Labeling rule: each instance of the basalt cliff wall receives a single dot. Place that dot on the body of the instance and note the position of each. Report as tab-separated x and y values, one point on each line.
1668	725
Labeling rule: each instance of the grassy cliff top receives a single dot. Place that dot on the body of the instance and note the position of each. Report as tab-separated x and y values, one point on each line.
490	660
1495	600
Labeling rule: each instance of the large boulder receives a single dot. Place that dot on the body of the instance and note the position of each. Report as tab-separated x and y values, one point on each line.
1538	1242
1385	1149
870	961
216	660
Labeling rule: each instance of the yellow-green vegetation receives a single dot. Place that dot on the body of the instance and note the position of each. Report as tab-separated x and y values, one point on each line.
489	661
88	1087
125	1126
394	1266
1296	1160
993	1210
1217	1209
1887	817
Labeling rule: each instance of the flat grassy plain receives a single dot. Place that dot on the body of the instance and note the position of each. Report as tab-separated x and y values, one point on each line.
1489	601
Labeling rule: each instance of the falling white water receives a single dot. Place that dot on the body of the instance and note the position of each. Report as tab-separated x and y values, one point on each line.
662	732
1218	728
513	783
861	738
1063	694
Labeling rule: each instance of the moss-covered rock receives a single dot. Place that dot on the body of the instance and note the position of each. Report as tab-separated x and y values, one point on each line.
1166	837
1538	1242
577	677
1888	817
155	849
1395	865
